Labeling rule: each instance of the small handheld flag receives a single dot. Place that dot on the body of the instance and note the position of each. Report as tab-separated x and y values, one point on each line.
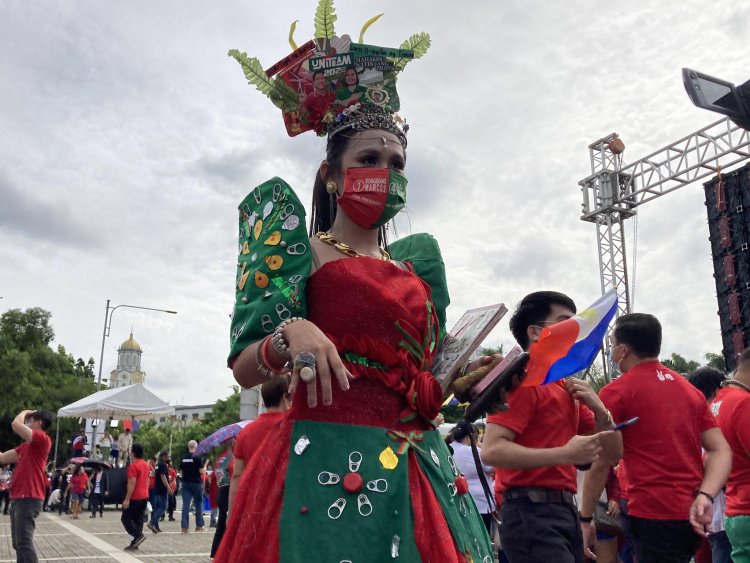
571	345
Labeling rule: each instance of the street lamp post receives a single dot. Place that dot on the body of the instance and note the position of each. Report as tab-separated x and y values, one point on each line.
108	312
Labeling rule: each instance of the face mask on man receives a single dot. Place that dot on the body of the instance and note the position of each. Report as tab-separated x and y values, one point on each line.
615	365
372	196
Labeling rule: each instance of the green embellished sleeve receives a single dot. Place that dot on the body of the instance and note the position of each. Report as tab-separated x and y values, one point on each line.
423	252
273	265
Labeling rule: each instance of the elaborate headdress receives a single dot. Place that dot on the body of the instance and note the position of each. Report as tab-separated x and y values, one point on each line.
331	84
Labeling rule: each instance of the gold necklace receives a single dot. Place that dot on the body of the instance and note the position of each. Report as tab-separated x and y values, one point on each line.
345	248
737	383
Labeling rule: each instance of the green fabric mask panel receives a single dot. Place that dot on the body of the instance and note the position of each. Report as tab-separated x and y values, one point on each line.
308	534
273	265
423	252
460	511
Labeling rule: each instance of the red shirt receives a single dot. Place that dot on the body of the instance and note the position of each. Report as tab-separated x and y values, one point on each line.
662	451
731	406
78	483
252	435
29	479
544	416
139	469
172	479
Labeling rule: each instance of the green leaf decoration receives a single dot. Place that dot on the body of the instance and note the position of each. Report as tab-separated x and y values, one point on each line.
292	29
325	17
419	43
282	96
365	27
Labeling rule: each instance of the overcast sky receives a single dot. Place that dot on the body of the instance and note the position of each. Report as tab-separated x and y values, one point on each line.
128	137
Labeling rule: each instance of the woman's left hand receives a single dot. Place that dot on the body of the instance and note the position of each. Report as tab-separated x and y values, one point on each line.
613	508
483	361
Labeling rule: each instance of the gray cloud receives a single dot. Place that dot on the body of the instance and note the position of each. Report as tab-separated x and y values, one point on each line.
130	137
22	212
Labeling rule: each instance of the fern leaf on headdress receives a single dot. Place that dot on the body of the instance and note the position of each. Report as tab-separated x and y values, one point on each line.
292	28
282	96
419	43
368	23
325	16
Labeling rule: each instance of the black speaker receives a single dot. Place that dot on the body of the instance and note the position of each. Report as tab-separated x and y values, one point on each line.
728	210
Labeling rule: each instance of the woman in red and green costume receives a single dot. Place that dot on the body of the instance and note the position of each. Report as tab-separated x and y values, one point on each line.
356	471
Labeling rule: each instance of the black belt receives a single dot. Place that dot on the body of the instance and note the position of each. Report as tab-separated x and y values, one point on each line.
540	495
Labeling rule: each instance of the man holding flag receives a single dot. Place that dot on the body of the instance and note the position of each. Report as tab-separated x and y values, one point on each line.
549	429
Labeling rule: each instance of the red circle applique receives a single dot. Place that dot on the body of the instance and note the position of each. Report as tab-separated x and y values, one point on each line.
352	482
462	485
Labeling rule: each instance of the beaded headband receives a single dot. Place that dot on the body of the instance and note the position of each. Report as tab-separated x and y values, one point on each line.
331	84
360	117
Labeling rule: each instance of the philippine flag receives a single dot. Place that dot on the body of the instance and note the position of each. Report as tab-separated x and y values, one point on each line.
570	346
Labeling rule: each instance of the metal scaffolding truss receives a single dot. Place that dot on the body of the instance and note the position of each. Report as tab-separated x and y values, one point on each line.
612	192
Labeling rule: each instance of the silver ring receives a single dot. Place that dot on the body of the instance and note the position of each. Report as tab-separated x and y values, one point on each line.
304	363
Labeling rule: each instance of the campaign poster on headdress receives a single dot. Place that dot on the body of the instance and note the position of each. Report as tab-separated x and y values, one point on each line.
331	75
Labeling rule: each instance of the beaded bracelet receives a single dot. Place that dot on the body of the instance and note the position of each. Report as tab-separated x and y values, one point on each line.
264	370
279	343
266	360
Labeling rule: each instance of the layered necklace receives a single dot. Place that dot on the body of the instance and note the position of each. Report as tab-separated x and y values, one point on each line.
345	248
737	383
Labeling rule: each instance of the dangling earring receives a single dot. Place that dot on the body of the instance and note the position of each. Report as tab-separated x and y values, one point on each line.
332	189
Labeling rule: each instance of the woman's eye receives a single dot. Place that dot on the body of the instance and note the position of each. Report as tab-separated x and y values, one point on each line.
398	166
369	160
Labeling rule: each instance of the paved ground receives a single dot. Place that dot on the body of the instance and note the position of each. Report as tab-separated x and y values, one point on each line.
87	540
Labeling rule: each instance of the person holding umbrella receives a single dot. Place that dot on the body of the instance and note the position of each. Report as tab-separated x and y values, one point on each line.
79	483
222	476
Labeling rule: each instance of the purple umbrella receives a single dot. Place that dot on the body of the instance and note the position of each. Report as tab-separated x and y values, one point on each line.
220	436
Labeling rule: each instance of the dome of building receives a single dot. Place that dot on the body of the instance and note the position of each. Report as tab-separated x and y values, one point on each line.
131	344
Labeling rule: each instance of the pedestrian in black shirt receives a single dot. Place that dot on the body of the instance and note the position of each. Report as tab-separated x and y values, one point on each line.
191	469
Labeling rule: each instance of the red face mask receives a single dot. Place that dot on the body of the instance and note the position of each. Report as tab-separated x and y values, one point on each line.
372	196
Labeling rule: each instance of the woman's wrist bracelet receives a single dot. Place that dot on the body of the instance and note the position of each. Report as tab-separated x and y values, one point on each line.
278	341
267	361
705	494
263	369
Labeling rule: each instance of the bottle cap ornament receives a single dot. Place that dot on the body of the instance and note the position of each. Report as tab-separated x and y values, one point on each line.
331	84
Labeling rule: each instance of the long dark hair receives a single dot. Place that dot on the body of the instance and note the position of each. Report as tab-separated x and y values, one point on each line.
324	206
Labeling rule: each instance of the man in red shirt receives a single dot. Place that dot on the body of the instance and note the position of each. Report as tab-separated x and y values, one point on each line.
249	441
29	481
731	406
670	486
136	497
535	444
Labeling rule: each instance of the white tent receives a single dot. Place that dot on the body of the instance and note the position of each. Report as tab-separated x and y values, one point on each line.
133	401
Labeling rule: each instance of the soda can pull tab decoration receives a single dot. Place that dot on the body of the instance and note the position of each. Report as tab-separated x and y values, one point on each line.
301	445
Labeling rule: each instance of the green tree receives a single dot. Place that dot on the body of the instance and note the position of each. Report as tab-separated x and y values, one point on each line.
679	364
491	350
595	376
716	361
156	437
34	375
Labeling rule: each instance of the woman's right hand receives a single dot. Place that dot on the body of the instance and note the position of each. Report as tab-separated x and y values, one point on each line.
304	336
